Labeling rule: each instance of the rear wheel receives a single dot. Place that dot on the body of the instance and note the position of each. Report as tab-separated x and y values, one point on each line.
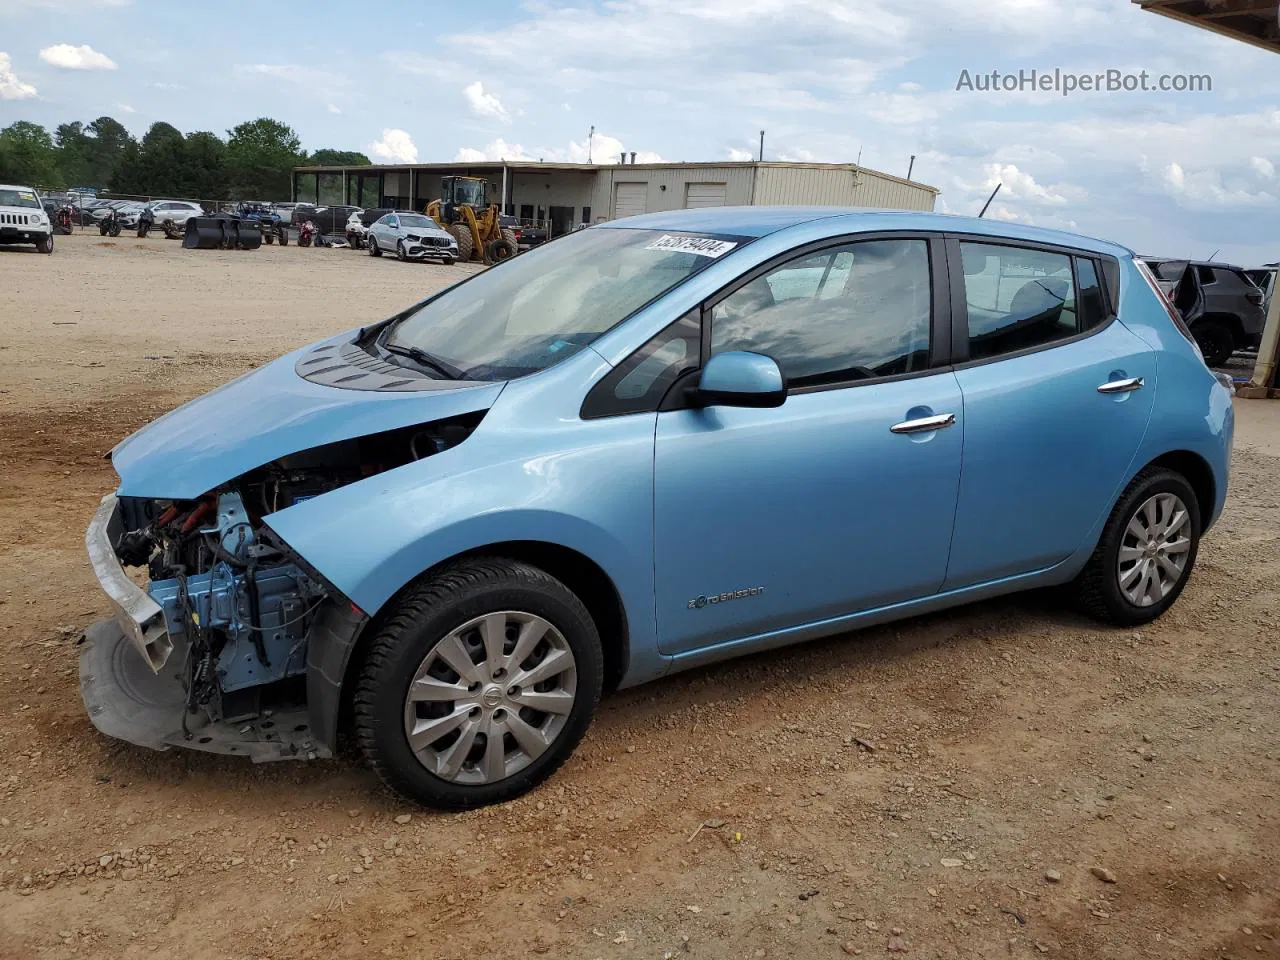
480	684
1216	341
374	249
1146	552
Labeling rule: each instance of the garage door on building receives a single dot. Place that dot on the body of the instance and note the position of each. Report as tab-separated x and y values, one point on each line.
704	195
630	199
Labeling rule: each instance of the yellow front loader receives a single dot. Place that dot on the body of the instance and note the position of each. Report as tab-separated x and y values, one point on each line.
475	224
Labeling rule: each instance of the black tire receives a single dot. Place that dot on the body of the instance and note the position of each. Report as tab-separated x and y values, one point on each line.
268	237
103	228
115	228
1098	591
423	617
401	254
374	249
466	243
45	244
502	249
1216	341
284	237
448	261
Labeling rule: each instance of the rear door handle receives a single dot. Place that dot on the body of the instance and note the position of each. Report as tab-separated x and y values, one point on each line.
1122	386
924	424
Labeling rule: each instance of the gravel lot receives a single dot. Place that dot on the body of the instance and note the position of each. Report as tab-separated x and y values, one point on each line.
1004	780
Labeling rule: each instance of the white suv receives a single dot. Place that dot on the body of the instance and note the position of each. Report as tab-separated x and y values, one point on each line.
22	218
179	211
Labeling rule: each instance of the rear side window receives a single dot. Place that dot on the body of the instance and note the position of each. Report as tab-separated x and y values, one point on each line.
1017	298
1092	311
1206	275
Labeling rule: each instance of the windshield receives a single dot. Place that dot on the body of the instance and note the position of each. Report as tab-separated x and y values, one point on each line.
469	192
413	220
18	198
544	306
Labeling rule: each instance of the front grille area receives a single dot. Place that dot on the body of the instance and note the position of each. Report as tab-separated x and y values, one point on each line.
15	219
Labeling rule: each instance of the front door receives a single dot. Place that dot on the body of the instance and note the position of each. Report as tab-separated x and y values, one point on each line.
1057	396
840	500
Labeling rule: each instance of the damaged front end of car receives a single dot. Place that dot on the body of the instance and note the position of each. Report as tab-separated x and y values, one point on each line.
224	639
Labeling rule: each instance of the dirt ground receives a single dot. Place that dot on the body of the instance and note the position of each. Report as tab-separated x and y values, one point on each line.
943	787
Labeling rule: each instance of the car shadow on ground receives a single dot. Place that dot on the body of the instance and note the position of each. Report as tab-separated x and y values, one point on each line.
209	779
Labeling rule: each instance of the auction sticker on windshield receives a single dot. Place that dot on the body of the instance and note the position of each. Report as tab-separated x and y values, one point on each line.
702	246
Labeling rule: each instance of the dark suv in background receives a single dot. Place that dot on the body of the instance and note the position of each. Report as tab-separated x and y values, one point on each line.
1221	304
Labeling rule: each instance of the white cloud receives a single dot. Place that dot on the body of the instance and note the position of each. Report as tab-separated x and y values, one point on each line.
83	57
125	108
910	87
1263	166
603	149
1020	185
333	108
1208	189
484	104
396	146
740	156
167	86
11	88
309	77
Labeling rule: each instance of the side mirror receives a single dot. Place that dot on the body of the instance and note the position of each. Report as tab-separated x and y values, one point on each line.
740	379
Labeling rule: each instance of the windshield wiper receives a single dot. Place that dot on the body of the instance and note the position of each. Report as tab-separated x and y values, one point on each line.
422	358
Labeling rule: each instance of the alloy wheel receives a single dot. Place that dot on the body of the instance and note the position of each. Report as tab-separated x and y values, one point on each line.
490	698
1154	549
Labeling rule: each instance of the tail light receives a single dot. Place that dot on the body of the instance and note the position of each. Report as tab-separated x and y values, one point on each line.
1254	297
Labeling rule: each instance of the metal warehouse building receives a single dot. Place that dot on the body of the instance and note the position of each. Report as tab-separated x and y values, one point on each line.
566	195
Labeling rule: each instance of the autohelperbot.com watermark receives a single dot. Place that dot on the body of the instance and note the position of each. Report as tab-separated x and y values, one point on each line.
1067	82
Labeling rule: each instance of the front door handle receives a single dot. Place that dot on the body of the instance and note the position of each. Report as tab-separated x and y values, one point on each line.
924	424
1122	386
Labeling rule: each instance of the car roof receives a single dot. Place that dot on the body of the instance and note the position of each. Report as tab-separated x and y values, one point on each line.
17	186
761	221
1192	263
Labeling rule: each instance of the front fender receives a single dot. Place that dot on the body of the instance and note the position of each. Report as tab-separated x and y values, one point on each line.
586	486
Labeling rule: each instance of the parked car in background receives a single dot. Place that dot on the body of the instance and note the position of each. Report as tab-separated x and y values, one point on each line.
661	442
360	221
1264	278
179	211
507	222
330	219
1218	301
23	218
531	235
411	236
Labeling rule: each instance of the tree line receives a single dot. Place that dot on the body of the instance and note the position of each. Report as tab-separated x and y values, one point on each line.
254	162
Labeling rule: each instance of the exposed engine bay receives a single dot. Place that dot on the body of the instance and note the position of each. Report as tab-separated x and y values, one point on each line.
238	606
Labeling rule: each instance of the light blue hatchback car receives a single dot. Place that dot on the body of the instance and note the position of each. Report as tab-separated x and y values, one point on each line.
651	444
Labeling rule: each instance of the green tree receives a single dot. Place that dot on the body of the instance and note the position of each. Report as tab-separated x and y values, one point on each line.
205	166
72	153
261	155
105	145
337	158
28	155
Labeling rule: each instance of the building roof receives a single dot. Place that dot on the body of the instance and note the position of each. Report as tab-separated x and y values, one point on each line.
1253	21
538	165
761	221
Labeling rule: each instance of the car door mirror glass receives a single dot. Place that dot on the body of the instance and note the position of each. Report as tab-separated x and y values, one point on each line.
737	378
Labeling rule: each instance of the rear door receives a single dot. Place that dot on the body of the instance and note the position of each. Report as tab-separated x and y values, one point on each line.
1057	396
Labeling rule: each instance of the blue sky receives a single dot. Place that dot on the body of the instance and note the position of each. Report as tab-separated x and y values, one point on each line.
1168	173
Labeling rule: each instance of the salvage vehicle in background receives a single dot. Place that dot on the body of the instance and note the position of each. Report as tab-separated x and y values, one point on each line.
1219	302
464	211
23	218
411	236
359	222
612	458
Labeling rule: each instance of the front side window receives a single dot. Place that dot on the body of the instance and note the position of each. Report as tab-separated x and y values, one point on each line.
1017	298
639	383
546	305
847	313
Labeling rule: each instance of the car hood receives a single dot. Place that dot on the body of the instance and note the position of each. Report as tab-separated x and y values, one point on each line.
266	414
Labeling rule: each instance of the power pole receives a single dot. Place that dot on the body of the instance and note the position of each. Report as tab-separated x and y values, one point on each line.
911	166
762	146
590	137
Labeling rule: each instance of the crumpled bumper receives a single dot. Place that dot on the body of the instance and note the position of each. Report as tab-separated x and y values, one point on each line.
139	616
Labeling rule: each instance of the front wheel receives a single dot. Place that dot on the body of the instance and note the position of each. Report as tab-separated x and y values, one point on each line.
374	249
479	685
45	244
1146	552
401	254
